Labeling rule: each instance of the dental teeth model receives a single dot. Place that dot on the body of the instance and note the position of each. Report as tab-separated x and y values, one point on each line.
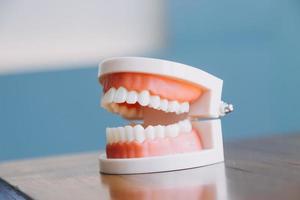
166	96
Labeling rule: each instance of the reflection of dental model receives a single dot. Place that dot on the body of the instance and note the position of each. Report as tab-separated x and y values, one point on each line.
198	183
166	96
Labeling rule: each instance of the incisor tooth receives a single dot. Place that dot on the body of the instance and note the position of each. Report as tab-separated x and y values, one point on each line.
144	98
120	95
138	132
132	97
149	132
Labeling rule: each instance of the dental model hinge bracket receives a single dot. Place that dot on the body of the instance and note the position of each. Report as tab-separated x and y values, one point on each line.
225	108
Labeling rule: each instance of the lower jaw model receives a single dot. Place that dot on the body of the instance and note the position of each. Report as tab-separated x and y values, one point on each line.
165	96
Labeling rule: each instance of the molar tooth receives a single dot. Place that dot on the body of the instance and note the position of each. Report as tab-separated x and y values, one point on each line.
109	138
159	131
184	107
138	132
144	98
120	95
185	126
132	97
172	130
122	137
154	102
164	105
129	133
173	106
108	96
149	133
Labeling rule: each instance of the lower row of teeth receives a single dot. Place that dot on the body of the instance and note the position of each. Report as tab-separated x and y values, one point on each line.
139	134
121	95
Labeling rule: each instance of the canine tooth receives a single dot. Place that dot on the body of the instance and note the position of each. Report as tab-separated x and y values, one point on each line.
173	106
159	131
184	107
138	132
154	102
108	96
172	130
132	97
185	126
120	95
129	133
121	132
149	132
164	105
144	98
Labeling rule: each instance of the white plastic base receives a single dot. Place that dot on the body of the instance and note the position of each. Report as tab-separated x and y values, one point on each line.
213	153
159	163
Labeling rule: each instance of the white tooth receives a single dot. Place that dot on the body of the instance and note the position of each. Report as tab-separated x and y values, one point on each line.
114	107
185	126
132	97
173	106
120	95
159	131
163	105
109	96
108	136
144	98
122	137
184	107
149	132
129	133
138	132
115	135
154	102
172	130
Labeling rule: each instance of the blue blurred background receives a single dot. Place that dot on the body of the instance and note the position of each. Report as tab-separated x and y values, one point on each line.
253	46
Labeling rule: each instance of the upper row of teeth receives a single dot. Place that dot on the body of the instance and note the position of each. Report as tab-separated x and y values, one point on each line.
121	95
139	133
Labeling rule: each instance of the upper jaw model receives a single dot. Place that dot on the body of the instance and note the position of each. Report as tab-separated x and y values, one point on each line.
169	97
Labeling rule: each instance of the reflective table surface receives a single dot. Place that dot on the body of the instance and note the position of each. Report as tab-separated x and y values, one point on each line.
267	168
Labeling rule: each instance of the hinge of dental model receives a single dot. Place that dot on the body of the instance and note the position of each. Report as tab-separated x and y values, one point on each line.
225	108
